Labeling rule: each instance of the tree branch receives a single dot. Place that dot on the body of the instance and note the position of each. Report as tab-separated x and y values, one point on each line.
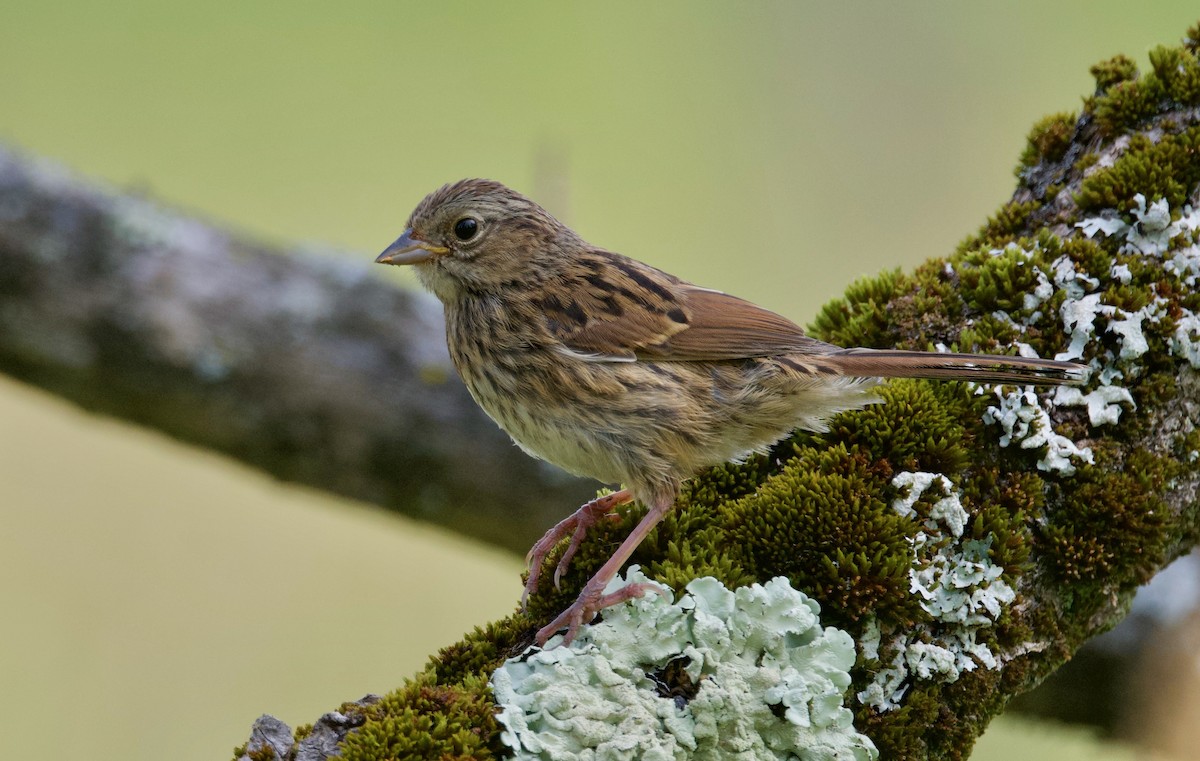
297	362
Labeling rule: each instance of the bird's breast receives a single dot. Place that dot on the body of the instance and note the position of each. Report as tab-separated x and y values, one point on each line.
556	408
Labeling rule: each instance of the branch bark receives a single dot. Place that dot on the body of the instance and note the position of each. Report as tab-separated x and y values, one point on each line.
298	362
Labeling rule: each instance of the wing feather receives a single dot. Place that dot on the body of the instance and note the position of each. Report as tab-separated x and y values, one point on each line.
620	309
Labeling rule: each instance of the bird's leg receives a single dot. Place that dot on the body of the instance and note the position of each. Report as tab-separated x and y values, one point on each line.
575	525
592	599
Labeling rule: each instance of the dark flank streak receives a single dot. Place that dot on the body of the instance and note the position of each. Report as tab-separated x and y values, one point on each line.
601	282
613	307
576	313
663	371
550	303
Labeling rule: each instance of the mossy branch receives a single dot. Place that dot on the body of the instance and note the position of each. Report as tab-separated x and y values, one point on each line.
298	362
969	539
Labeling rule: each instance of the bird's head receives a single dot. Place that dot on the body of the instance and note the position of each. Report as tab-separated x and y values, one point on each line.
478	236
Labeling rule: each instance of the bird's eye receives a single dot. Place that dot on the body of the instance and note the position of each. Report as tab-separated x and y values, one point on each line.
465	228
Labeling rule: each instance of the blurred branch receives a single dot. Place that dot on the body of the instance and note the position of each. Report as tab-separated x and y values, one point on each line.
296	362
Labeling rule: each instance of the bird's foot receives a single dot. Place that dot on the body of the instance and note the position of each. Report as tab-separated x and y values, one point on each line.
575	526
591	601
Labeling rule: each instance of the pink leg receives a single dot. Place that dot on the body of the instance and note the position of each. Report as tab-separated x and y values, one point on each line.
592	599
576	525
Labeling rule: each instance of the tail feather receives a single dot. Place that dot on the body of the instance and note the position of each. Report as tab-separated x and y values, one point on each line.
985	368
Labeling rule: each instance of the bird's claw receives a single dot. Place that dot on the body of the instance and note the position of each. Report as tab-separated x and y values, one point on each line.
575	526
576	540
590	602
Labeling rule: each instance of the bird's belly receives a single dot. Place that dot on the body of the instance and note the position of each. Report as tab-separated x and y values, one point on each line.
556	437
554	425
569	446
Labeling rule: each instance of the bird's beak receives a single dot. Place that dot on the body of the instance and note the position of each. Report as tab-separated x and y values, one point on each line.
409	249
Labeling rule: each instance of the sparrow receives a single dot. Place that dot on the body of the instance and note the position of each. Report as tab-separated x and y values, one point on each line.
616	370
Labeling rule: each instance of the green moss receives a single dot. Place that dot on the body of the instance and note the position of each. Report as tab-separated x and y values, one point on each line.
1006	225
726	482
822	522
1048	140
1128	296
686	556
1179	72
989	334
1167	169
893	732
1118	69
1007	501
991	279
1125	102
1192	40
997	281
1126	105
425	720
860	317
923	315
1110	525
1086	161
481	651
919	426
922	728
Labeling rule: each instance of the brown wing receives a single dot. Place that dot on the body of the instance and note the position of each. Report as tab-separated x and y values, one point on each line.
621	310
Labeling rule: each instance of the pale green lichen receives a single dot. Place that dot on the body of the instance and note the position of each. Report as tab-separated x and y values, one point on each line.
1186	340
960	588
1103	404
720	674
1026	422
1151	233
1093	307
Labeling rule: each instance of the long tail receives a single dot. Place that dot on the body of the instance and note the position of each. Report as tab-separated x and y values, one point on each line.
987	368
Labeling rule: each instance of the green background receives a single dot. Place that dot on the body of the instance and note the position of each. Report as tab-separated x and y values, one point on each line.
155	599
